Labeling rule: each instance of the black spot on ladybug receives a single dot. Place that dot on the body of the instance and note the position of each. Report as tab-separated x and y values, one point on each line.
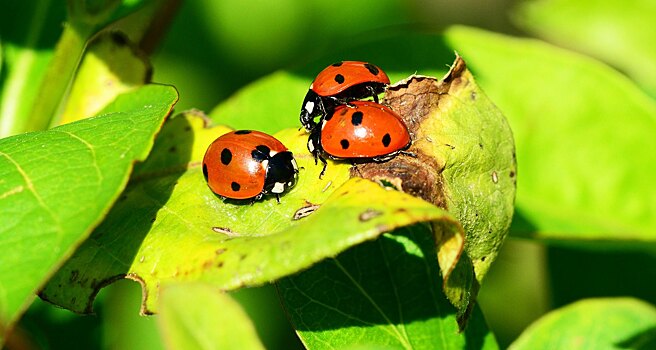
264	149
205	171
235	186
344	143
260	153
226	156
371	68
328	117
339	79
356	118
242	132
338	64
387	139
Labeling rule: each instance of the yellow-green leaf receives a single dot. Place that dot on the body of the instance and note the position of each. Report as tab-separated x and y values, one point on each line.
168	225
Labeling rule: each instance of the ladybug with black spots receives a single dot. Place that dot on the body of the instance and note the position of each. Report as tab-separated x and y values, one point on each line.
248	164
360	129
340	83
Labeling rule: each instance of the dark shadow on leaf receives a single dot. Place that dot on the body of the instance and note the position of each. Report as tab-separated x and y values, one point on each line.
584	273
521	226
394	280
77	282
644	340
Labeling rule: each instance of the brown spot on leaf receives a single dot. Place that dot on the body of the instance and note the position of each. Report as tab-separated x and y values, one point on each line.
369	214
220	251
305	211
420	176
383	228
74	275
207	264
223	230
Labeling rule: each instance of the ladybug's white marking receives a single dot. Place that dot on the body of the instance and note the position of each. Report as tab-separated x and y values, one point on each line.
309	107
360	132
272	153
310	146
294	165
279	187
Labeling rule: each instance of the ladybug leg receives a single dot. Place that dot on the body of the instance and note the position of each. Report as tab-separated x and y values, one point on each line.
278	198
409	154
373	93
256	198
355	166
325	164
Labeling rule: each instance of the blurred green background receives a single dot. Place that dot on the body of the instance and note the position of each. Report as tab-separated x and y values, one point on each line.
214	48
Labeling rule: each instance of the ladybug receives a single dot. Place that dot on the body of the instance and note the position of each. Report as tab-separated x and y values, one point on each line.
248	164
340	83
360	129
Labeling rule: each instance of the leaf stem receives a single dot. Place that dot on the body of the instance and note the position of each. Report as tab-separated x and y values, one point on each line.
58	77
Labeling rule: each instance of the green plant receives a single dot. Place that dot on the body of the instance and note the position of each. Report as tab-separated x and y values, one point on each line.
121	195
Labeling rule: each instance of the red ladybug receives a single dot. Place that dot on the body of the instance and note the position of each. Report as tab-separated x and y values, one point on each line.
339	83
361	129
248	164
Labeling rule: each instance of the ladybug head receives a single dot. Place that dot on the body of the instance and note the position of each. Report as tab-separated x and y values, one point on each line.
312	107
282	172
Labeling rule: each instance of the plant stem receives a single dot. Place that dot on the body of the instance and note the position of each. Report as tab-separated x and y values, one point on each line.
57	80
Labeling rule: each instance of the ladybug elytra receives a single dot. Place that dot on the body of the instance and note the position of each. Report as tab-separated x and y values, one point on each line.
340	83
361	129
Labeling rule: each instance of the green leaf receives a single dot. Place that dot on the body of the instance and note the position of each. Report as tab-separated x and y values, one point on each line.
381	294
212	320
111	66
38	89
253	106
609	30
168	225
464	163
606	323
57	185
581	131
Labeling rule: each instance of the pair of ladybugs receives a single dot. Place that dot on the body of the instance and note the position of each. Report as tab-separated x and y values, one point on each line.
249	164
